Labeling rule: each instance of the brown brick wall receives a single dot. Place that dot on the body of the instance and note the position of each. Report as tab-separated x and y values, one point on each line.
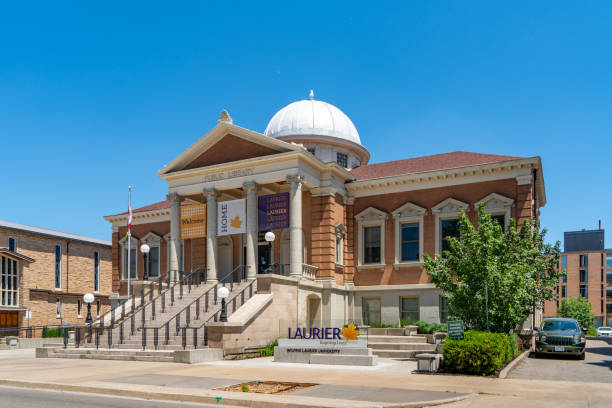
77	278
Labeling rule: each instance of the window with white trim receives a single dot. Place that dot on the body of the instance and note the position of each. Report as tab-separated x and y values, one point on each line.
371	231
154	242
342	159
133	258
10	282
446	218
409	309
409	234
499	207
340	231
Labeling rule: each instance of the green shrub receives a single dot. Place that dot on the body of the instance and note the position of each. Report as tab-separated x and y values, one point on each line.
479	353
383	326
426	327
55	332
268	351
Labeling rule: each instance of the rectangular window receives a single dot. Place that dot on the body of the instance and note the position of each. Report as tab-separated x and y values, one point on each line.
609	277
443	310
563	291
584	275
133	260
11	245
58	267
79	307
564	278
584	260
98	308
154	262
96	272
501	220
410	242
371	243
449	228
584	291
342	159
9	282
409	309
58	307
371	311
609	262
564	261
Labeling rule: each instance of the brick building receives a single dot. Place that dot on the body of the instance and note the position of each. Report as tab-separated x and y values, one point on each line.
357	230
588	267
47	273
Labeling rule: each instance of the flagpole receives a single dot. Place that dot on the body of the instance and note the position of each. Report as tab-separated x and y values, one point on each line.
129	237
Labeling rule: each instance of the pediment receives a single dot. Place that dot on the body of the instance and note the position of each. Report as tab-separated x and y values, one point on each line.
371	214
450	206
227	143
495	202
409	210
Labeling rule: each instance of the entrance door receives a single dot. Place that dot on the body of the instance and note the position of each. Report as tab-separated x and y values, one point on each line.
314	311
263	258
8	319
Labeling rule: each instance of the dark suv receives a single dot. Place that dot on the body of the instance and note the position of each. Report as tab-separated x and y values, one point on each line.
560	336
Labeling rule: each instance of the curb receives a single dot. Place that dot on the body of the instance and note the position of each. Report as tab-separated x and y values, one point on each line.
506	370
260	400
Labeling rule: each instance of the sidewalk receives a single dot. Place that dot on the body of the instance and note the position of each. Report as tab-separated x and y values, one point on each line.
389	384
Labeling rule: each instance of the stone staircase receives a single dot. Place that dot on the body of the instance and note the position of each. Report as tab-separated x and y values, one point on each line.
112	354
401	343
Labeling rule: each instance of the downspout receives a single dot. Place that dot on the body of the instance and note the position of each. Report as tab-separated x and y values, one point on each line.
67	266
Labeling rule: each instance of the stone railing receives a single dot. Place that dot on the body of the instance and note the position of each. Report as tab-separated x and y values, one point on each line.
309	271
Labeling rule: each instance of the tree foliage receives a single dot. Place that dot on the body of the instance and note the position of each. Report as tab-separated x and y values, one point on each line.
577	308
516	269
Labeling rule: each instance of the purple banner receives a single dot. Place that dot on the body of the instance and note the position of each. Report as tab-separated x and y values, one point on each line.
273	211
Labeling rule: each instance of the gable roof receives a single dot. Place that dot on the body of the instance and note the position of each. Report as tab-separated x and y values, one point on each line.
427	163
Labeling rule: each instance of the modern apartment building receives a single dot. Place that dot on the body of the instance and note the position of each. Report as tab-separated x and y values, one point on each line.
589	274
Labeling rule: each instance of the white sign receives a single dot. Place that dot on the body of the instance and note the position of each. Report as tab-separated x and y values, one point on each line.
231	217
28	314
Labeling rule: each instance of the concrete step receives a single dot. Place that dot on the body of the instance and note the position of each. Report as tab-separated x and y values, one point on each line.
112	351
396	339
397	353
402	346
118	357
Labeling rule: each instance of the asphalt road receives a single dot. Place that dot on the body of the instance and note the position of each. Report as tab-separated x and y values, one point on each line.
596	367
26	398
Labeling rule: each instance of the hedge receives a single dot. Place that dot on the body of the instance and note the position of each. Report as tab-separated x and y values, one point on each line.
480	353
55	332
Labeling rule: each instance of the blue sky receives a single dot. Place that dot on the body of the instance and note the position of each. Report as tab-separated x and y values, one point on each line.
94	98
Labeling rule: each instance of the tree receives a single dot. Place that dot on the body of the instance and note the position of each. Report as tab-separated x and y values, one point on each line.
577	308
504	273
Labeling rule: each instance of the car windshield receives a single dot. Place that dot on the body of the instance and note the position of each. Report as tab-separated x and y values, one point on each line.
559	325
605	328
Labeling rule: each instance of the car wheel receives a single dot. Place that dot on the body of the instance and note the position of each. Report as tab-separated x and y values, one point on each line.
582	356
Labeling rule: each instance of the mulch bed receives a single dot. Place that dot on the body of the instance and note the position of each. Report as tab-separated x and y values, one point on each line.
267	387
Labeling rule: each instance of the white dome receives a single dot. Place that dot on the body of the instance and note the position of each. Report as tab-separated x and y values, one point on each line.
311	117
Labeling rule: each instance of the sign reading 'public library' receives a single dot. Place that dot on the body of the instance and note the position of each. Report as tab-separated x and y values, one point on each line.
273	213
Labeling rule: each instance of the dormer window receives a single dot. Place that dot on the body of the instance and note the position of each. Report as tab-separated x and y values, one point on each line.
342	159
311	151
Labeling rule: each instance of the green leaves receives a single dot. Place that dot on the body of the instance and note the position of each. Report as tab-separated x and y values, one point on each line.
577	308
516	269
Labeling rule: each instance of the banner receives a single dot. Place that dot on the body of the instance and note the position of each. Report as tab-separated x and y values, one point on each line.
193	221
231	217
273	211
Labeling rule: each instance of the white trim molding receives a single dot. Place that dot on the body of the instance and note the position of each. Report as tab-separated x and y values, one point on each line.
408	213
371	217
340	232
446	210
153	241
133	246
497	204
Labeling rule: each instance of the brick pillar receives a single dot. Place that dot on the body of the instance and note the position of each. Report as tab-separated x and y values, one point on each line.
323	236
116	262
524	199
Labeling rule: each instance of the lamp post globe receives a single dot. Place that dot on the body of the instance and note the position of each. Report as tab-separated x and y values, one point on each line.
223	292
270	237
88	298
144	248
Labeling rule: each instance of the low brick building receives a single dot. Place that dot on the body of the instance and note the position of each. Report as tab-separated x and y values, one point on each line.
359	230
588	267
46	273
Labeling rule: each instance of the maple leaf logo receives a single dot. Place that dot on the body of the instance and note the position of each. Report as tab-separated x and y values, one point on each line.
350	333
236	222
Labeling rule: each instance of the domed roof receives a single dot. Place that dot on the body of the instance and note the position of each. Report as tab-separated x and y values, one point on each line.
312	117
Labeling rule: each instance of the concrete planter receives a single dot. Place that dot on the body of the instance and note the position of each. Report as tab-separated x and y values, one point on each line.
71	336
436	338
12	341
411	330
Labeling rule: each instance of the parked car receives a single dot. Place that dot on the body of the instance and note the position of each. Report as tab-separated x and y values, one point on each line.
561	336
604	331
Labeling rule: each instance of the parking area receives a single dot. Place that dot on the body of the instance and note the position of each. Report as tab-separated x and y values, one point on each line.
596	367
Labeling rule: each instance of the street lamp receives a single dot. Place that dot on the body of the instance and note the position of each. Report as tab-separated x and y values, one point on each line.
144	248
223	292
270	237
88	298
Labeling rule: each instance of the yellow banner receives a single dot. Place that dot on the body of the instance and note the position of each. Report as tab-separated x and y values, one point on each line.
193	221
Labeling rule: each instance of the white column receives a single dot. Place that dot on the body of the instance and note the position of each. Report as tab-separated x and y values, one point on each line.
211	234
175	234
296	245
252	229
